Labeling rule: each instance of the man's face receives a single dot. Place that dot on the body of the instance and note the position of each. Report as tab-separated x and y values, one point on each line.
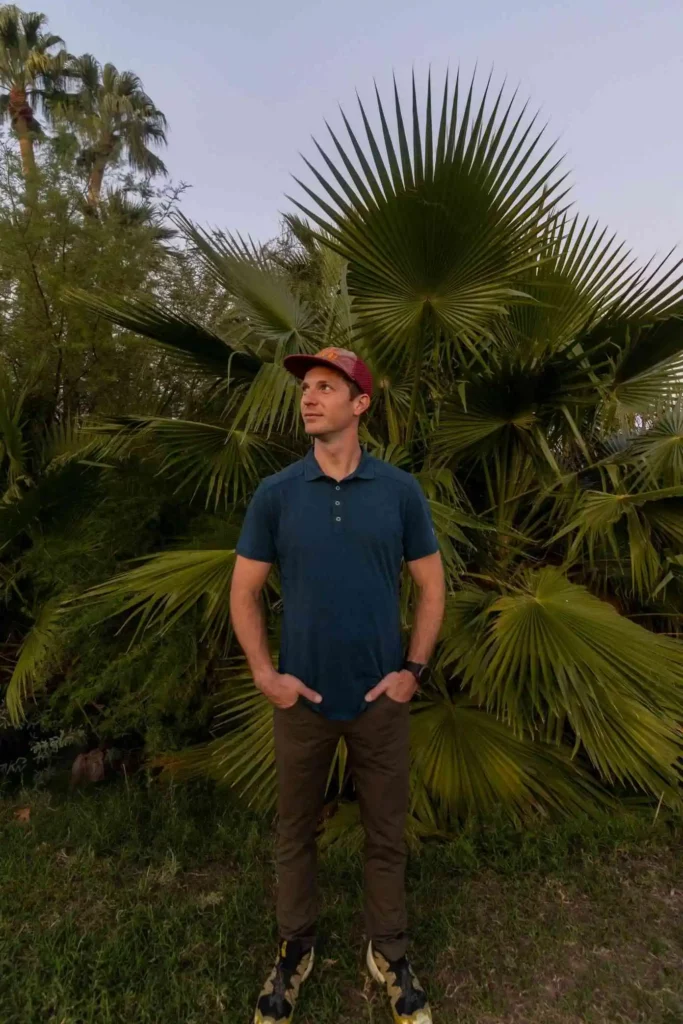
326	403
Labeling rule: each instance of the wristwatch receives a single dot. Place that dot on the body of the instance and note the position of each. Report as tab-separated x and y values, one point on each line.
418	668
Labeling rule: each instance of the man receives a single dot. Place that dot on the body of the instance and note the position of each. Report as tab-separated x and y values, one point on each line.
339	523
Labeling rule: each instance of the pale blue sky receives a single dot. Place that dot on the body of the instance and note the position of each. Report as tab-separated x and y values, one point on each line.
245	86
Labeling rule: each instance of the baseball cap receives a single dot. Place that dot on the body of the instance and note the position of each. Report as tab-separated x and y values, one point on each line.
340	359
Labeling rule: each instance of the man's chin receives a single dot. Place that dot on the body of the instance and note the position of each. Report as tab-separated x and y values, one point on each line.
315	428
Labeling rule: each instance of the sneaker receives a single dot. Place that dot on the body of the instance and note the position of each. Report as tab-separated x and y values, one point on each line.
406	996
279	994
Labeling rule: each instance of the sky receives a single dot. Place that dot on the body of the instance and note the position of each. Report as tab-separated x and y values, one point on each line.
246	86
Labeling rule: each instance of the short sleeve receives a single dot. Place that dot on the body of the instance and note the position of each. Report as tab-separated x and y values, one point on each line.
257	539
419	535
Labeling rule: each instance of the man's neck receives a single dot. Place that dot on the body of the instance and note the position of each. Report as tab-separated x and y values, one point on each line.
339	457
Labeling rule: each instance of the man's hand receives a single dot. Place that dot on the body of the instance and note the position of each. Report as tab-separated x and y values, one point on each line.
399	686
284	690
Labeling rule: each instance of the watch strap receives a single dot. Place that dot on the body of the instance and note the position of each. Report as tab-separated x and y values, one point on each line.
418	668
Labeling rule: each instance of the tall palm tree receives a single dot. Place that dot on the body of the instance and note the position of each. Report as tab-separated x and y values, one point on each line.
114	117
529	374
30	71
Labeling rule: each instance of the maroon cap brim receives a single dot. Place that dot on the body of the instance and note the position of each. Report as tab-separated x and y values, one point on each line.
299	365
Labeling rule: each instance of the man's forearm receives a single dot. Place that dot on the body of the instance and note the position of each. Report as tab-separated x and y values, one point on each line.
429	612
249	623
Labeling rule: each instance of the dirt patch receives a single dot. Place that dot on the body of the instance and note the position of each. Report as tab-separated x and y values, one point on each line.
561	953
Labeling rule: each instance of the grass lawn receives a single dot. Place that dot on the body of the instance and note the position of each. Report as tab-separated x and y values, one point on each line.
125	906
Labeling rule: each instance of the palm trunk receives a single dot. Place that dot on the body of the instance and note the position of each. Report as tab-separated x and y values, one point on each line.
22	120
28	160
97	176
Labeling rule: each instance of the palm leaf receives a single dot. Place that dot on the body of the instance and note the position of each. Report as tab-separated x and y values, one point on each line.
220	250
582	274
551	653
445	234
661	447
167	586
270	403
36	649
269	310
61	495
243	758
666	516
648	347
467	763
224	462
471	424
345	828
596	524
64	442
193	344
272	312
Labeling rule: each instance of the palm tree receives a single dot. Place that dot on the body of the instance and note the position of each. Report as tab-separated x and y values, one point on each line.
30	72
114	117
529	375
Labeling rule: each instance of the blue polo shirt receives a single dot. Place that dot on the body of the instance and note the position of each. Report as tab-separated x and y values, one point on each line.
339	547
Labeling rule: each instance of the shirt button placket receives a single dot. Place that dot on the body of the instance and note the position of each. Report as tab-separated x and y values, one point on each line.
337	504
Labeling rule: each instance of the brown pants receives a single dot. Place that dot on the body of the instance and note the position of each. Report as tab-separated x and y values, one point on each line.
378	756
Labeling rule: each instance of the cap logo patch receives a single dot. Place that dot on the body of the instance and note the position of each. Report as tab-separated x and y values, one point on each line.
329	353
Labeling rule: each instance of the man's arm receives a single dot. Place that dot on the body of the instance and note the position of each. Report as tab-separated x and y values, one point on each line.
249	622
431	602
248	616
428	575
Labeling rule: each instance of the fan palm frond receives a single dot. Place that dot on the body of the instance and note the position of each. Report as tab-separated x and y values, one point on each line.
437	239
61	494
224	462
244	757
467	763
270	403
190	342
271	314
166	586
551	654
661	447
37	646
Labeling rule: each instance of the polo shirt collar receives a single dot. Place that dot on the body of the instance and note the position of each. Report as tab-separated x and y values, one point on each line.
363	471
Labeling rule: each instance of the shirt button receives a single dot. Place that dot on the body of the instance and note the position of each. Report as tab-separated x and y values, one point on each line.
339	519
337	502
337	488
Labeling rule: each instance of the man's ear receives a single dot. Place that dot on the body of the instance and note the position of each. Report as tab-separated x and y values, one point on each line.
362	404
